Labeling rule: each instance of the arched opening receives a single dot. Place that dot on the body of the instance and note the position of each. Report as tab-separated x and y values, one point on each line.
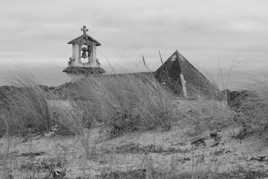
84	53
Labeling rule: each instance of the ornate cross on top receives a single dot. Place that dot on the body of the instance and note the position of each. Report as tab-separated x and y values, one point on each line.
84	30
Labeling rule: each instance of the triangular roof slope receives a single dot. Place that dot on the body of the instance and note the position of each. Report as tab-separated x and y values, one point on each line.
196	83
84	37
168	74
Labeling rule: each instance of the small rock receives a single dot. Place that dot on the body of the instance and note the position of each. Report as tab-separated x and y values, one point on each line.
199	142
58	173
259	158
215	144
213	135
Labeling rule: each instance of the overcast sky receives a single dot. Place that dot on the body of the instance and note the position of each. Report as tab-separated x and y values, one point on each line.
212	34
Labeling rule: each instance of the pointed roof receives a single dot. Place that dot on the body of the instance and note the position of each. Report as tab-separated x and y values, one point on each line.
84	37
196	83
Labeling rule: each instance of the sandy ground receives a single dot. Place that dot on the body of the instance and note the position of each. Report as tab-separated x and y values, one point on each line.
166	151
93	154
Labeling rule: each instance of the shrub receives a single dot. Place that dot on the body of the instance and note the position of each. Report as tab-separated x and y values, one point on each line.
251	110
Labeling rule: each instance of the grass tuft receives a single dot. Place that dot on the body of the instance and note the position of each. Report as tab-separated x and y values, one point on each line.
125	104
24	109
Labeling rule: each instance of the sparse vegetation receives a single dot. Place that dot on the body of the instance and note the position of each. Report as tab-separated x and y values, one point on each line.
122	106
24	110
251	112
125	104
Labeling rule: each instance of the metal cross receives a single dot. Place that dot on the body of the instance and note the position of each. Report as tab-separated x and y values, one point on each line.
84	30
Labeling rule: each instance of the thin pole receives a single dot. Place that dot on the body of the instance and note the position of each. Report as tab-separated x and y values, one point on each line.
144	63
161	59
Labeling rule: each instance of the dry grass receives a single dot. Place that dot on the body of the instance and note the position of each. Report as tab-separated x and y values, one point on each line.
24	110
122	103
125	104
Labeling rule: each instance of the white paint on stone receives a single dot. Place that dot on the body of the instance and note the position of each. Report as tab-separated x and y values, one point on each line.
91	60
183	83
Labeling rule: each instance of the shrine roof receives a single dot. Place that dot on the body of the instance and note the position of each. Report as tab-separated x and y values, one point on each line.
84	37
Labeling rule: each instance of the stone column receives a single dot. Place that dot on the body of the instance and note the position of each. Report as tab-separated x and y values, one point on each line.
79	54
76	53
73	51
92	55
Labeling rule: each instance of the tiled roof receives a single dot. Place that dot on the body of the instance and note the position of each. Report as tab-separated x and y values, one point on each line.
84	37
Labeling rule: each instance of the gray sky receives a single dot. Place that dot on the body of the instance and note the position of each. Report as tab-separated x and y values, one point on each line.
212	34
